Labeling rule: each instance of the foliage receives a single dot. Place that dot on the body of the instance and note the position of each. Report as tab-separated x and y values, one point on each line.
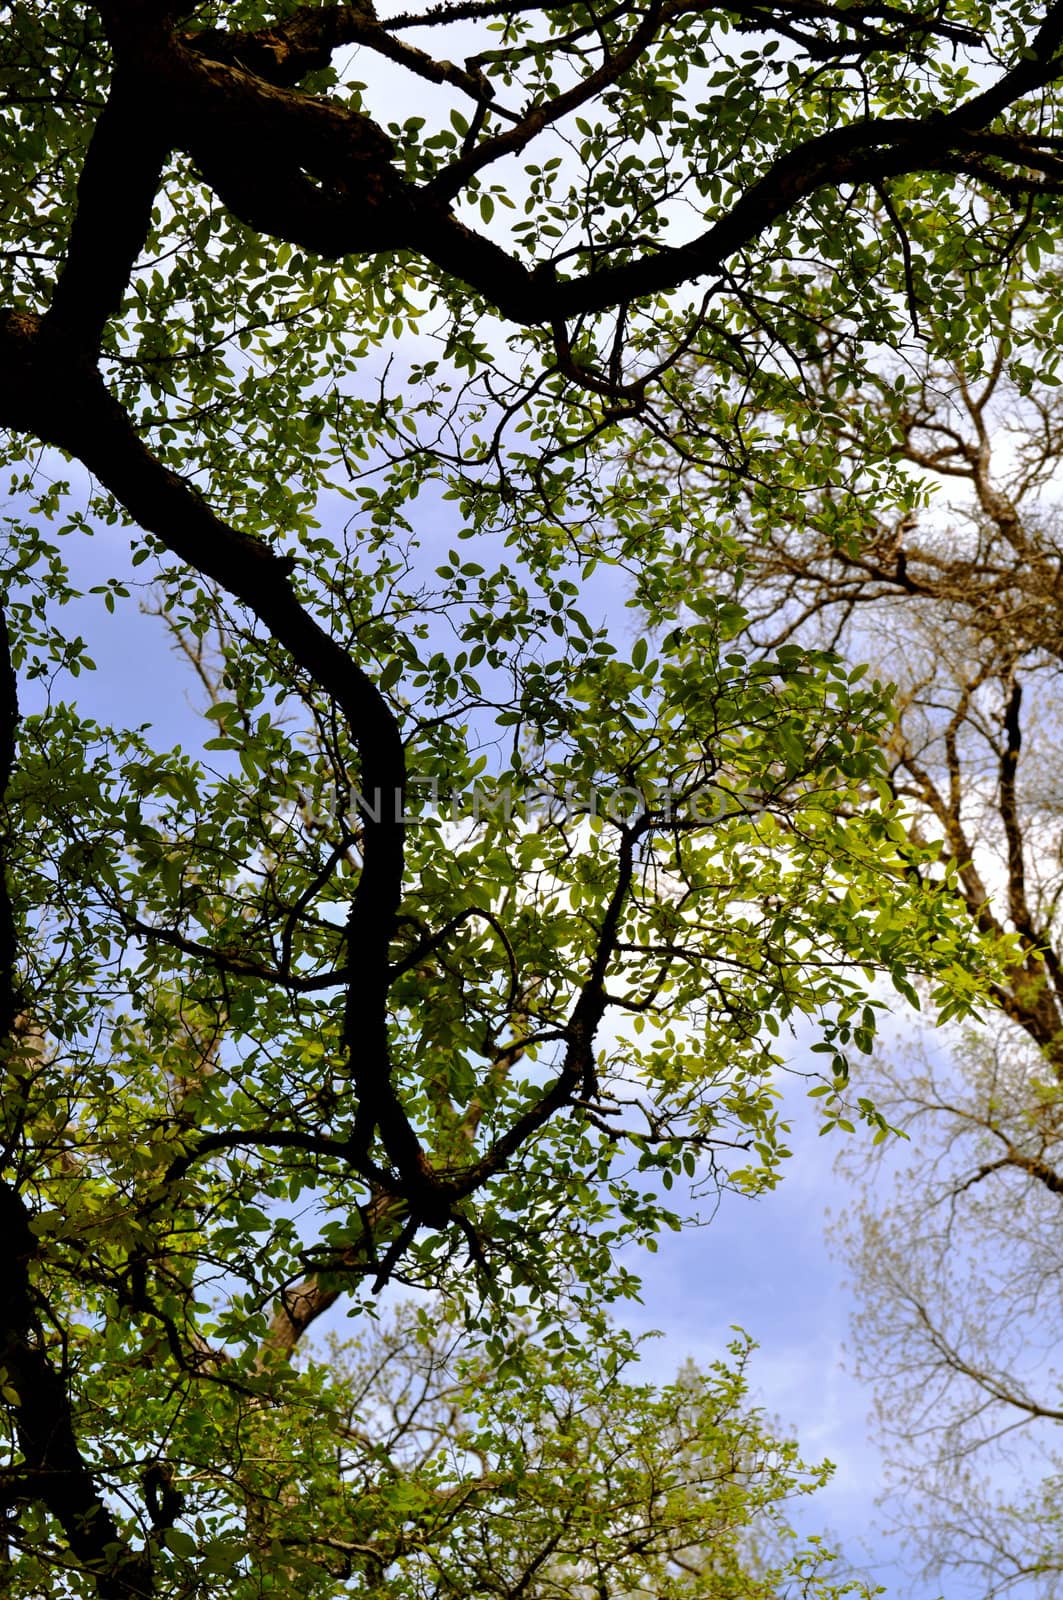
461	1473
463	925
950	581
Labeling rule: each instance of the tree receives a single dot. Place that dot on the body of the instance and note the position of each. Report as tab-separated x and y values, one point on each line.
967	1319
949	580
280	1030
593	1484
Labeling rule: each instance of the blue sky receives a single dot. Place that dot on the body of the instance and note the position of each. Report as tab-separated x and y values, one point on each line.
766	1266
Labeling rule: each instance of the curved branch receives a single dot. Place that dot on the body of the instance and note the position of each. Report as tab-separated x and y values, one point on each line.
252	1139
322	176
239	966
47	391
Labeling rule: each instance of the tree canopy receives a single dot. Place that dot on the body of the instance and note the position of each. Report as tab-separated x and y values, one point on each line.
948	571
466	925
954	1262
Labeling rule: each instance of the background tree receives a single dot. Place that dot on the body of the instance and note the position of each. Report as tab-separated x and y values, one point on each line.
942	566
277	1032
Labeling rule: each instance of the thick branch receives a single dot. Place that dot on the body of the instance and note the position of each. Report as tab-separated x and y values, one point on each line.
60	1475
1018	906
46	391
116	192
9	1005
301	1304
321	176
